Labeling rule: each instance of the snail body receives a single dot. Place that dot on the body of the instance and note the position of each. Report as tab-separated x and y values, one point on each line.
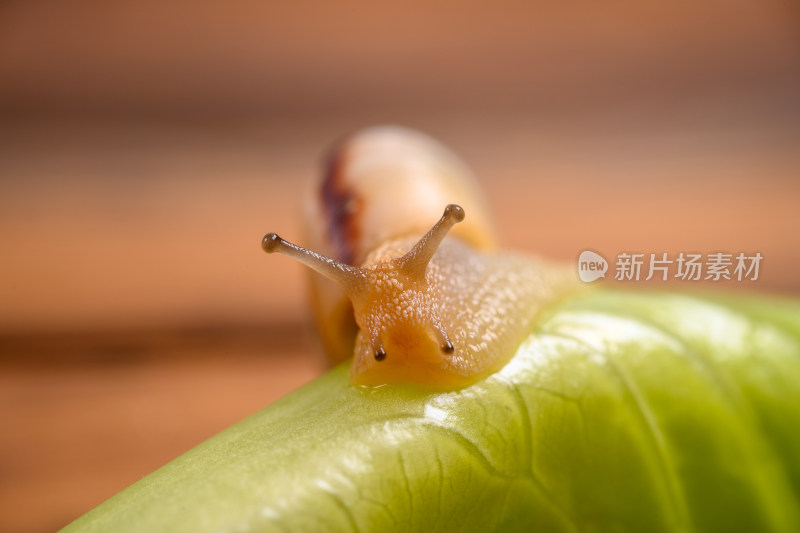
442	310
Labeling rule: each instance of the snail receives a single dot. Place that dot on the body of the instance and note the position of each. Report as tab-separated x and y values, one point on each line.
408	278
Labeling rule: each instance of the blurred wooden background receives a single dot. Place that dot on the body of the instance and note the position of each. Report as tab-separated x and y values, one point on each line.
145	148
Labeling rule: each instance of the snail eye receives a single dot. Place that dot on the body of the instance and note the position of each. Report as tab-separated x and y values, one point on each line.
448	347
380	354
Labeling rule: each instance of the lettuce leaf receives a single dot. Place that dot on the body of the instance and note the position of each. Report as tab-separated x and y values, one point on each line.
622	412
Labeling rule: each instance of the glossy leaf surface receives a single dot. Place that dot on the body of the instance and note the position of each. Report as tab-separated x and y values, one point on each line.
621	412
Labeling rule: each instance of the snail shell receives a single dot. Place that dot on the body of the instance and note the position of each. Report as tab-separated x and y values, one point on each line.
409	298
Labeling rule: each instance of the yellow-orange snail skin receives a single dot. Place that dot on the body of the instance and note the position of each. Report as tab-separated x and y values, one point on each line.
436	306
382	183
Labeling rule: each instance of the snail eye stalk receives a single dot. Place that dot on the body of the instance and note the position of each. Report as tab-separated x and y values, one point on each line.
414	263
351	279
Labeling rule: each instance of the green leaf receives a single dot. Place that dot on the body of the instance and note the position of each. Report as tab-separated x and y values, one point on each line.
622	412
